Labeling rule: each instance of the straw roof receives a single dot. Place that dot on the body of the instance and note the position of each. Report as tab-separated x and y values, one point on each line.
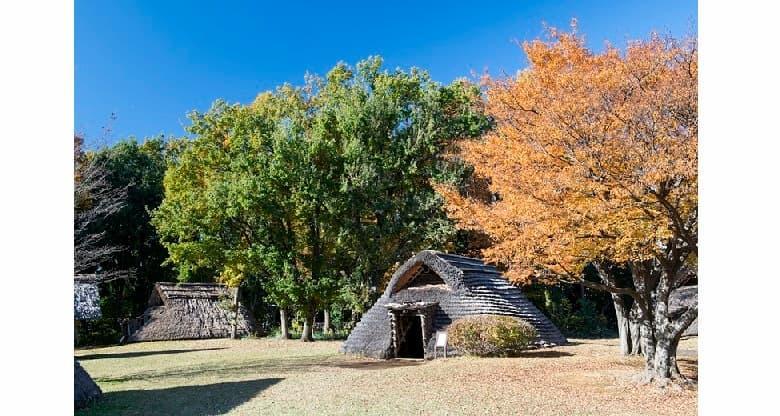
461	286
191	311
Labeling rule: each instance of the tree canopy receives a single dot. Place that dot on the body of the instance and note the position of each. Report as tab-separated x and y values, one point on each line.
593	160
317	190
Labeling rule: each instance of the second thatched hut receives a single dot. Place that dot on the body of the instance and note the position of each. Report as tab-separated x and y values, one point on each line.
190	311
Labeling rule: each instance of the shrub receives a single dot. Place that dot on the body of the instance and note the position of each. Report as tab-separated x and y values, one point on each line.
491	335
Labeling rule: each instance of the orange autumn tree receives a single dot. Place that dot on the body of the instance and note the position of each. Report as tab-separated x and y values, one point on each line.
594	161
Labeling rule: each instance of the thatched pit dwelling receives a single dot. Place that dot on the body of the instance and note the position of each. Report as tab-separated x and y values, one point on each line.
86	307
190	311
430	291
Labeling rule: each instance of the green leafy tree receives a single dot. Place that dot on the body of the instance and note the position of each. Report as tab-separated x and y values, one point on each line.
316	191
395	128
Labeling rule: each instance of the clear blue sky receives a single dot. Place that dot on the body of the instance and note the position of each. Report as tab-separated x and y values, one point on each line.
151	62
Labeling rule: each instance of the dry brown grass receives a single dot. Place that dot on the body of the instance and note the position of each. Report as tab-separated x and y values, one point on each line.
263	376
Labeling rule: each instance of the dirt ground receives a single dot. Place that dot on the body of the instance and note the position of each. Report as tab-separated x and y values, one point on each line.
268	376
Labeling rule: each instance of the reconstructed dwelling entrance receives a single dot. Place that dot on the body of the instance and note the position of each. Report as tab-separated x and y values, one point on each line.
411	344
410	327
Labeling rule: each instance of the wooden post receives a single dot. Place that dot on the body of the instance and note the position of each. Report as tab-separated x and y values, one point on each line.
422	332
393	334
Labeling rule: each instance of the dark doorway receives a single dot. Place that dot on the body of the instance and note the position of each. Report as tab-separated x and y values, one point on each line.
411	345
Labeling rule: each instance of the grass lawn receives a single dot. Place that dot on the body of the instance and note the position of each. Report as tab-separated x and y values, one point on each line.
267	376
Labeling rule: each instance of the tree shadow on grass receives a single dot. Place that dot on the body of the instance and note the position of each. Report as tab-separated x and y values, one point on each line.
543	354
378	365
593	341
141	353
270	366
211	399
237	369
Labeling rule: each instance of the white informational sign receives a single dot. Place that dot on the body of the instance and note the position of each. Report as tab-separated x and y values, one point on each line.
441	339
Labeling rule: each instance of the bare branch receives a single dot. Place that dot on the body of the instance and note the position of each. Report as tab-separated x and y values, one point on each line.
95	200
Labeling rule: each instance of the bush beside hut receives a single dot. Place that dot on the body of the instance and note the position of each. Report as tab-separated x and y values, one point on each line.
491	335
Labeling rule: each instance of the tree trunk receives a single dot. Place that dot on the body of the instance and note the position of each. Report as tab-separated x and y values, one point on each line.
624	329
234	323
634	329
661	360
326	321
664	365
649	317
647	340
308	325
673	360
283	324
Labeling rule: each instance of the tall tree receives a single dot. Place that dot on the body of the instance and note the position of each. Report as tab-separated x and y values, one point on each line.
137	167
95	201
395	129
316	190
594	160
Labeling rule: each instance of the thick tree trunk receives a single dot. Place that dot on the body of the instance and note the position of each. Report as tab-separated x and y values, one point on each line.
283	324
658	331
662	360
308	325
664	363
326	321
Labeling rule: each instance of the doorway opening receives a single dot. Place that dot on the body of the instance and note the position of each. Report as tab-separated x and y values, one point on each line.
411	343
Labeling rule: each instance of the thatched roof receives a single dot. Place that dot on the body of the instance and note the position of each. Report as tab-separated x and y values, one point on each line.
682	298
86	299
84	388
191	311
172	291
462	286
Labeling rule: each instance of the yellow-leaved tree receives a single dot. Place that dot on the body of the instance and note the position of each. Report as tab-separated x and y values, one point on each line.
594	161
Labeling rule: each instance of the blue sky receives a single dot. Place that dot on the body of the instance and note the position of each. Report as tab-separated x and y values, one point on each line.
151	62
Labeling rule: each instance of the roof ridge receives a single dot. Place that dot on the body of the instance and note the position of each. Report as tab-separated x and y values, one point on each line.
457	255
